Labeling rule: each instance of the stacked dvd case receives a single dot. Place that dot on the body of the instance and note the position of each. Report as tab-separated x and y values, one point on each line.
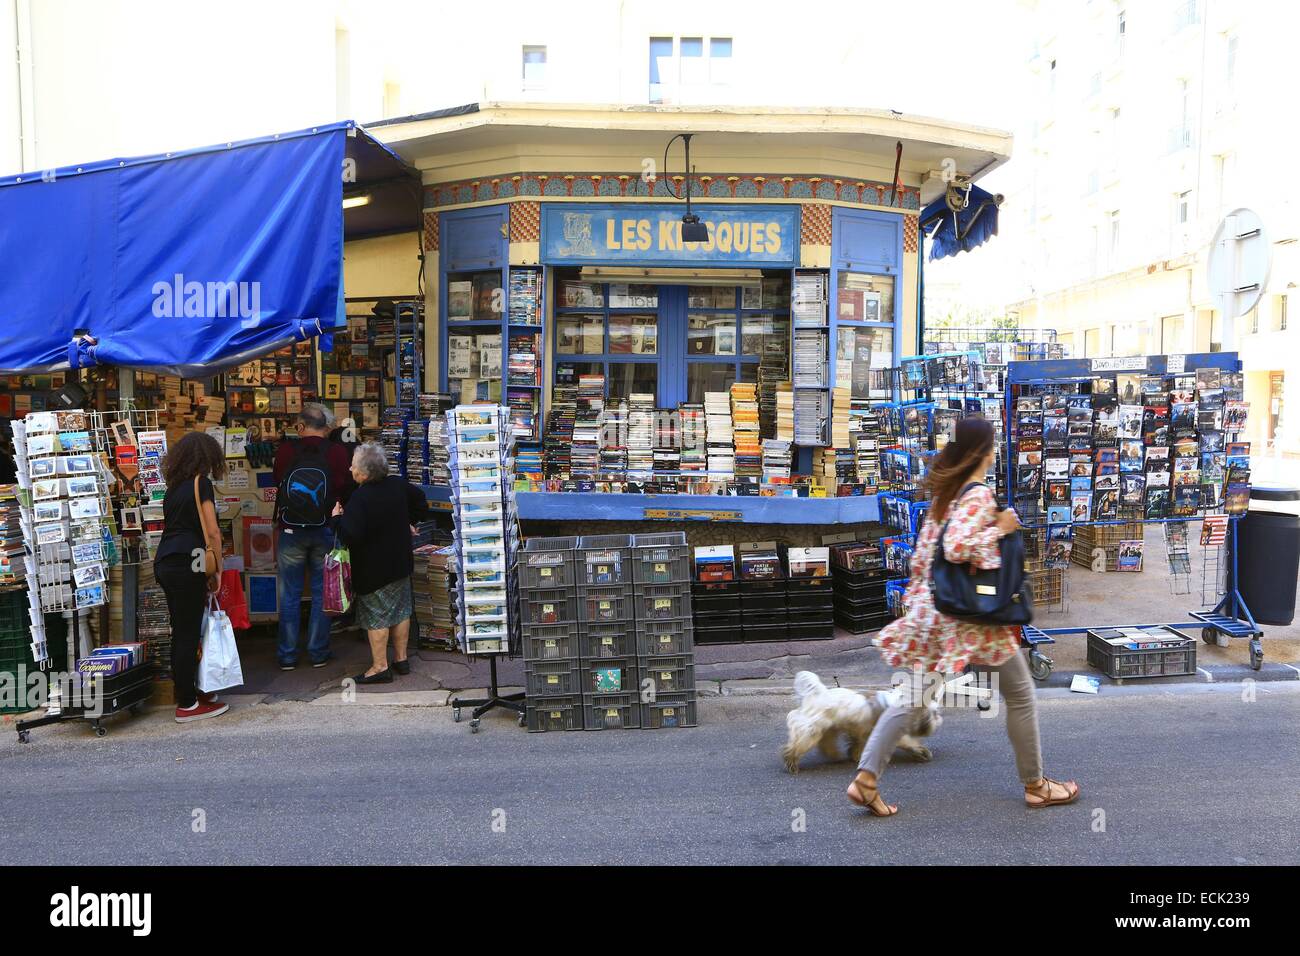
486	528
745	430
719	436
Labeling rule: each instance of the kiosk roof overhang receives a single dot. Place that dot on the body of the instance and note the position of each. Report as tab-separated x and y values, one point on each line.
469	140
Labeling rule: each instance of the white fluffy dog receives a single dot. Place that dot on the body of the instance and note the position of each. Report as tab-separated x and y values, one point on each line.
825	714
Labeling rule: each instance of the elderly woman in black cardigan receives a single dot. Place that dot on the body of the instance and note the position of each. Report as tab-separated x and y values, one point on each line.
376	526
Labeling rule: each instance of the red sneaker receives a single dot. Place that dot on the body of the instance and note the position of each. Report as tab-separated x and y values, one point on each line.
208	698
199	711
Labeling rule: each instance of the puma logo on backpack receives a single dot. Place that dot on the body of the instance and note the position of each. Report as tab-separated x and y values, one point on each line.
305	494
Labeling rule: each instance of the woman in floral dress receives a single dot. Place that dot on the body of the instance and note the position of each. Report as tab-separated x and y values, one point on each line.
929	641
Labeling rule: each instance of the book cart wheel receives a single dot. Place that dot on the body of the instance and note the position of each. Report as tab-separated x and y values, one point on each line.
100	729
1040	666
1207	635
473	726
1256	654
455	715
523	720
24	736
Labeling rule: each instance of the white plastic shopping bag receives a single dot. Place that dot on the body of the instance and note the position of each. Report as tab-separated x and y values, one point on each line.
219	666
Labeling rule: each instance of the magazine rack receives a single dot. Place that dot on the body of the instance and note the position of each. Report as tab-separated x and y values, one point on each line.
1231	617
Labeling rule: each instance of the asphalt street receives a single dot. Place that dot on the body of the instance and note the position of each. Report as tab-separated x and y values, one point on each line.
1191	774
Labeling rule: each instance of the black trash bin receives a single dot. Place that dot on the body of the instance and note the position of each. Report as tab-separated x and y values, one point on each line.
1268	557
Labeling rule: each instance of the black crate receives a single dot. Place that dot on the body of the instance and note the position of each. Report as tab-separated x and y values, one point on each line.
820	616
611	711
667	675
812	632
549	642
760	588
721	597
810	594
546	570
730	619
663	558
862	623
721	634
605	604
700	589
628	677
557	606
762	603
545	714
764	618
845	576
762	633
861	590
559	678
601	641
662	602
658	638
670	711
604	559
1120	663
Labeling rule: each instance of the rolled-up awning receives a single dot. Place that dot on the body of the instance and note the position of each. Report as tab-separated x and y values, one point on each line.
185	262
952	231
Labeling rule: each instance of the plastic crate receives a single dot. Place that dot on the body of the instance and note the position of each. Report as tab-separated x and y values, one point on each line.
13	614
765	603
611	712
1047	586
722	597
599	641
1088	538
717	634
863	623
845	576
661	558
624	670
768	586
858	591
546	570
545	714
669	711
657	638
818	631
604	559
661	602
558	606
814	616
604	604
802	597
668	675
553	678
548	642
1121	663
730	619
763	633
752	619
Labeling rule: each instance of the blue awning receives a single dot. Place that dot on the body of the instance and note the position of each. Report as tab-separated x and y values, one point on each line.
952	232
186	262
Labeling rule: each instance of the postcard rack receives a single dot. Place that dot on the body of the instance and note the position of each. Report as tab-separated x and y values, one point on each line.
1074	378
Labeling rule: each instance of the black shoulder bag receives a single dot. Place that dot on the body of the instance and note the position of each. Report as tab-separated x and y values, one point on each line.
997	596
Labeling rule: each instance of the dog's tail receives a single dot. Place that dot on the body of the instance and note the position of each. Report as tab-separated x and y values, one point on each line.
806	683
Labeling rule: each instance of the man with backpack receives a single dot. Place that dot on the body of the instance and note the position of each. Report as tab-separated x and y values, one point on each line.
312	473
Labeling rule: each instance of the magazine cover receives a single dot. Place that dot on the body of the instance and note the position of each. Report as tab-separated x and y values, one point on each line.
1130	555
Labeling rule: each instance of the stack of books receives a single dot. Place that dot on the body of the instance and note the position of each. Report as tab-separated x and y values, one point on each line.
667	452
558	440
641	436
776	462
810	417
693	443
584	450
613	432
525	297
523	367
433	586
785	412
808	300
719	437
13	569
745	430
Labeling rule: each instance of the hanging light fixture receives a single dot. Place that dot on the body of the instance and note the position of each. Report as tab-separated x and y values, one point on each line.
692	229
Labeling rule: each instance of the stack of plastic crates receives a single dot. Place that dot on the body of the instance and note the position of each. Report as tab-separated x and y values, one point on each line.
665	638
548	600
607	599
716	609
16	649
811	603
764	611
858	571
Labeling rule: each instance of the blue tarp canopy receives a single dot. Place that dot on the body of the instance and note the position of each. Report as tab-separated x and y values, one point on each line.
952	232
187	262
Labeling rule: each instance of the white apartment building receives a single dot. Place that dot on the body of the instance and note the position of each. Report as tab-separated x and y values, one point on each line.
1150	121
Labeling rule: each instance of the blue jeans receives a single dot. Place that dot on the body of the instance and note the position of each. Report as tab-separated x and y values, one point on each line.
302	551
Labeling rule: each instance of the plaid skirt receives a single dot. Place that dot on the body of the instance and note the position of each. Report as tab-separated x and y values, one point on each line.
387	607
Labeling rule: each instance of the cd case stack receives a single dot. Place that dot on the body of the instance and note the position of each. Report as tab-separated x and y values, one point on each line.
486	534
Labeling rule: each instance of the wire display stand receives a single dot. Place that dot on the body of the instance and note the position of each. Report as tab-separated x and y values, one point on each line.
1227	613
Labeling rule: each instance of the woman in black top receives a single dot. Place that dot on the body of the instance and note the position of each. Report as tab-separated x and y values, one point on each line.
376	527
179	562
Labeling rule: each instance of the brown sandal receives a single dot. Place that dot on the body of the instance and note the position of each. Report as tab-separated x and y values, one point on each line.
858	793
1045	799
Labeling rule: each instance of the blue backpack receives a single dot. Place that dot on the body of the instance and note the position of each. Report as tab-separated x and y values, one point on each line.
305	498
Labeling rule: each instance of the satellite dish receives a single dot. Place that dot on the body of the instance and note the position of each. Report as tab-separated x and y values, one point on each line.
1239	263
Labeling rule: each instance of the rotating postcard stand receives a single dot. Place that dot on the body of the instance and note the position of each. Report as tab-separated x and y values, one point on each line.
1213	487
486	541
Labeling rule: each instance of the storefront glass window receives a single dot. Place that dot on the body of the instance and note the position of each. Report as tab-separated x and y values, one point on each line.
704	377
625	379
475	296
709	334
865	297
857	352
633	334
579	334
765	335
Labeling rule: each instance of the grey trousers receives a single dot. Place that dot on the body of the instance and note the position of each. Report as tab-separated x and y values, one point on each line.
1017	689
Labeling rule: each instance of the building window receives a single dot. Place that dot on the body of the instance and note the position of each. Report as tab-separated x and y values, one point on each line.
1113	237
688	69
663	78
1121	28
534	65
1280	311
1230	62
1184	206
1254	320
1171	334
